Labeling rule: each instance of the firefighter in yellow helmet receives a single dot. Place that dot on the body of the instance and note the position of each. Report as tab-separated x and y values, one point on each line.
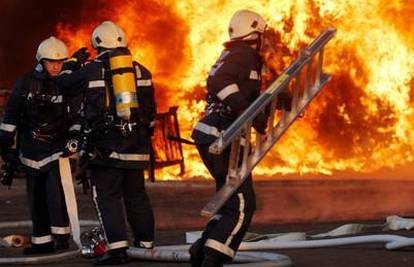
119	111
233	84
40	116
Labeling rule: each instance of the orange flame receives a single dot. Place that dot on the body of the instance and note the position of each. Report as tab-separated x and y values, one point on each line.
363	121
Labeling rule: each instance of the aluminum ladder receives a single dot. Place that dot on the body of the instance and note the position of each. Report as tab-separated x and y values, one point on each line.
304	78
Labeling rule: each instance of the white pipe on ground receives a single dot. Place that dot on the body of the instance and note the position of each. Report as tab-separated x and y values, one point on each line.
39	259
177	253
180	253
18	224
392	242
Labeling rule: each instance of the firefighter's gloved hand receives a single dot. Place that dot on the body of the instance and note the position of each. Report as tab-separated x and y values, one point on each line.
7	174
151	128
7	153
81	56
84	180
284	101
260	123
85	156
71	148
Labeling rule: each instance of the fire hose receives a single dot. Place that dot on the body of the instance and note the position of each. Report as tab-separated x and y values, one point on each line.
40	259
162	253
179	253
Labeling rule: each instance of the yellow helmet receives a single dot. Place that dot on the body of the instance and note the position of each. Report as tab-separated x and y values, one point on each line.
108	35
246	25
53	49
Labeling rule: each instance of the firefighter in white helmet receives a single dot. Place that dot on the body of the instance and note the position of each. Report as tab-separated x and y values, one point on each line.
232	85
108	36
119	115
246	25
42	117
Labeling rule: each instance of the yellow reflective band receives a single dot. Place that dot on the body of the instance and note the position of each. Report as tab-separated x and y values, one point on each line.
119	244
228	90
147	82
220	247
130	157
240	221
8	127
74	59
282	78
60	230
39	164
41	239
207	129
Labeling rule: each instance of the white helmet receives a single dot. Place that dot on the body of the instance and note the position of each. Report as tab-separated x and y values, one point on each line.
52	48
108	35
246	25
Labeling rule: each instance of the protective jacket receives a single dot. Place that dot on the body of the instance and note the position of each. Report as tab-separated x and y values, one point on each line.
43	118
233	84
114	142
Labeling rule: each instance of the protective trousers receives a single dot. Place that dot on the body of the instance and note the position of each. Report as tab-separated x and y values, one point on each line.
225	231
47	205
113	188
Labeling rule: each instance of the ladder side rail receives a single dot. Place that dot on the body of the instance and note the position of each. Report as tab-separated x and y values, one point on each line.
321	40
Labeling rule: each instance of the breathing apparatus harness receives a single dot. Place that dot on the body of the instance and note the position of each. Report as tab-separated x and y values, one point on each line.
120	90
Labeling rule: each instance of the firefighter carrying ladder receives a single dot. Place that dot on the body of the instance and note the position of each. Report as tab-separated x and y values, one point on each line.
305	78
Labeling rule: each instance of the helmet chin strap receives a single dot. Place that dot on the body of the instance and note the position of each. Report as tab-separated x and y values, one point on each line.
259	43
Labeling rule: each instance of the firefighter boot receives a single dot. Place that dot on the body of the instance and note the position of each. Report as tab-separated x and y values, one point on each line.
213	258
61	241
45	248
212	261
113	257
197	253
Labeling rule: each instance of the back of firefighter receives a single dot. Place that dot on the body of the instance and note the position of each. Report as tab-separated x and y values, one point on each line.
233	84
119	146
40	115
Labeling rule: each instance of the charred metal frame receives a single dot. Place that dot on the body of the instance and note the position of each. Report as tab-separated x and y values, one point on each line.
164	152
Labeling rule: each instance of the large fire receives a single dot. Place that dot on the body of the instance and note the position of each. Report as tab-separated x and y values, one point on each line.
362	121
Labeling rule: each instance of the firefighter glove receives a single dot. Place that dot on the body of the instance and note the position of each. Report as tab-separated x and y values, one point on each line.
81	56
260	123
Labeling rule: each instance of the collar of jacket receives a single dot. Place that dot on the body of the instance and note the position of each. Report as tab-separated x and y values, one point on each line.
103	56
243	45
40	73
